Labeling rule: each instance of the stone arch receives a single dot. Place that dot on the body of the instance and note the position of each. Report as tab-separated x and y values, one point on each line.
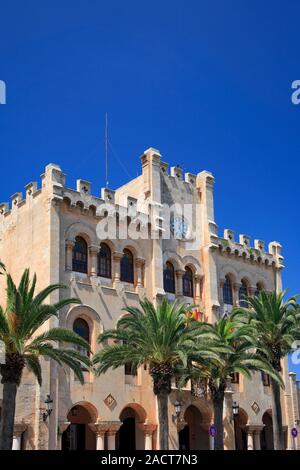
79	435
130	436
193	264
90	316
266	436
84	230
241	421
228	270
131	245
194	434
173	258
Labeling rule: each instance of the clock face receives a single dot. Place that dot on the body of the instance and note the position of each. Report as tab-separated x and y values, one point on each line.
179	227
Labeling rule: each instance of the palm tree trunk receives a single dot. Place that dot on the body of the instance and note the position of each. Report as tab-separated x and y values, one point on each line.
277	416
162	402
8	415
218	404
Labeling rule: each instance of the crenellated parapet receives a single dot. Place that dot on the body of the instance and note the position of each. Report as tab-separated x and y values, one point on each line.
53	188
256	253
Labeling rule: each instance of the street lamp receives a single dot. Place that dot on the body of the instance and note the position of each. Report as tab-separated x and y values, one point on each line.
49	407
235	412
235	409
177	407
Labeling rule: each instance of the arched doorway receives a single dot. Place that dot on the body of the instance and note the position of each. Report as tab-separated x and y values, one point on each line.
193	436
130	437
266	436
240	421
78	435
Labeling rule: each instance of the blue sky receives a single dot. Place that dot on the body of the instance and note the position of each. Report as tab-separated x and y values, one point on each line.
207	83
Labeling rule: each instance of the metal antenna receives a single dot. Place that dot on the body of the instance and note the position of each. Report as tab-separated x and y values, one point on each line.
106	151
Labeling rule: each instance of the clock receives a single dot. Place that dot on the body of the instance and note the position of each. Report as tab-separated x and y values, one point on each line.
179	227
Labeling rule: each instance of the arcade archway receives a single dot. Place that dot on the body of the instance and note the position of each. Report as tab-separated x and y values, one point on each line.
266	436
240	423
194	435
130	436
78	435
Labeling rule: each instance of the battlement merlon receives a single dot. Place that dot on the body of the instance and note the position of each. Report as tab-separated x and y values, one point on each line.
255	253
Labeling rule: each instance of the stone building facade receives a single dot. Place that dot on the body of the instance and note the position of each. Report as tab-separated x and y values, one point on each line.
58	233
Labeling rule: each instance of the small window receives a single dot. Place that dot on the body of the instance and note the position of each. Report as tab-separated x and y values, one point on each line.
127	271
169	278
81	327
187	280
104	261
265	379
227	291
235	378
130	369
79	263
243	293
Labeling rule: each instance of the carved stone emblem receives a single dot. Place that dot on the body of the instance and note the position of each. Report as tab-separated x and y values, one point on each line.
110	401
255	407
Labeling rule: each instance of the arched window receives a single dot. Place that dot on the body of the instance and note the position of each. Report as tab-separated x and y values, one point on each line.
81	327
243	292
227	291
127	271
79	263
169	278
187	283
104	261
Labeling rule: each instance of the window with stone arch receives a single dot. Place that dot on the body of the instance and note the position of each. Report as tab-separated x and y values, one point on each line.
227	291
104	261
188	283
81	327
169	278
127	268
80	256
243	293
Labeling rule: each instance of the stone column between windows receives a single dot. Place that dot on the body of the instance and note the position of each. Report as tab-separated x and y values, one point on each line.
117	256
93	252
113	428
19	428
252	291
62	426
100	428
69	254
179	283
236	287
198	280
148	430
139	263
221	285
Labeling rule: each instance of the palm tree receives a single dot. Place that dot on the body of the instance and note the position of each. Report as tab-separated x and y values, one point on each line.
159	337
233	345
276	326
25	313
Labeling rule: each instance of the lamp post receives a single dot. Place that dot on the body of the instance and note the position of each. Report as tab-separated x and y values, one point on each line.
49	407
177	406
235	413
